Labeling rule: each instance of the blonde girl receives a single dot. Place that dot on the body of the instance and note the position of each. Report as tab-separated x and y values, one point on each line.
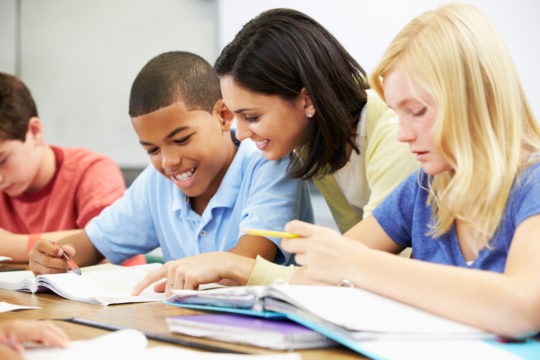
472	212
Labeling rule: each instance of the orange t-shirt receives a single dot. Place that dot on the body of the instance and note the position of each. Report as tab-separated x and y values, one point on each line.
84	184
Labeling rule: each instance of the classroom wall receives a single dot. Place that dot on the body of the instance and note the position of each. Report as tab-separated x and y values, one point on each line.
7	36
365	28
79	57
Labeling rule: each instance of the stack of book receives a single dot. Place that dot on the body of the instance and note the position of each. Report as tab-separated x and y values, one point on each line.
368	323
242	329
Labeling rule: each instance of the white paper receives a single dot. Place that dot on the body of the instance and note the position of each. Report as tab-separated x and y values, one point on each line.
110	285
5	307
121	344
440	350
355	310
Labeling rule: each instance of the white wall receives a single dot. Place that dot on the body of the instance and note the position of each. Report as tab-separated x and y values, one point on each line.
7	36
365	28
80	57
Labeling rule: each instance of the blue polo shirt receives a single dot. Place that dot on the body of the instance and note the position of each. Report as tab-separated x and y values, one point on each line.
404	216
254	193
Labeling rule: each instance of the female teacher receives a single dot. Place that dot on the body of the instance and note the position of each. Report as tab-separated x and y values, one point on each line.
295	91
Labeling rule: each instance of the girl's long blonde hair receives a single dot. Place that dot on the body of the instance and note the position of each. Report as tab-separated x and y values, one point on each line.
484	128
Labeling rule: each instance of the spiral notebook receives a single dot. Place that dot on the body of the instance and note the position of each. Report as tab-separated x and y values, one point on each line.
267	333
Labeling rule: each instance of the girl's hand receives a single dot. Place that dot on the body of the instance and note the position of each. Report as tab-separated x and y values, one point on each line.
324	254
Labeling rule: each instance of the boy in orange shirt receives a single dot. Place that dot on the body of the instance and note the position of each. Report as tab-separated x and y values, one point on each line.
45	188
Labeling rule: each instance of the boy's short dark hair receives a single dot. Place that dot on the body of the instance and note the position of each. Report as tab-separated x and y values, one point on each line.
17	107
171	77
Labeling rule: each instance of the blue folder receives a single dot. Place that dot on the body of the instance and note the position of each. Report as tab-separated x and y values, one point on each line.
529	349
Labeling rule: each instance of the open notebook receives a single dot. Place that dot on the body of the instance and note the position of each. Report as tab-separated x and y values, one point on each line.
358	313
102	284
356	318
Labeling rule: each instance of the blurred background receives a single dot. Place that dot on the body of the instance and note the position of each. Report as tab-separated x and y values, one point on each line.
80	57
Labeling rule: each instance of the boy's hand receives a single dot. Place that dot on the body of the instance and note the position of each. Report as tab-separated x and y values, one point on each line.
188	273
46	257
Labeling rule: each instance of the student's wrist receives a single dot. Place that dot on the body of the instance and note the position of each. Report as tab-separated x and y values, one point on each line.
265	272
32	239
240	268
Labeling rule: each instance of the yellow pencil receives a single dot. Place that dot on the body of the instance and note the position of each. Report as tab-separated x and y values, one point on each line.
271	233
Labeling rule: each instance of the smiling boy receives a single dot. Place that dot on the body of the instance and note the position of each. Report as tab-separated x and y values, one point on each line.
203	186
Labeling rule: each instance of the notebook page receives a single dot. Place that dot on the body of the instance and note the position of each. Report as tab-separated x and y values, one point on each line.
440	350
121	344
107	286
17	280
360	310
5	307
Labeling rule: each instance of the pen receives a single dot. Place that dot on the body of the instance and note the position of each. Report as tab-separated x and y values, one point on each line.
271	233
72	265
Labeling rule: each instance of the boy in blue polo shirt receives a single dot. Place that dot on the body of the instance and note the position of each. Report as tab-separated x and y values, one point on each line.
203	187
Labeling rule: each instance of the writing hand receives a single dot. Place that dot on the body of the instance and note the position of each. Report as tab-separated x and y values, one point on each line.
47	258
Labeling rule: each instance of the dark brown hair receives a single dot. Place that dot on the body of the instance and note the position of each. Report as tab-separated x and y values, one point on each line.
17	107
281	51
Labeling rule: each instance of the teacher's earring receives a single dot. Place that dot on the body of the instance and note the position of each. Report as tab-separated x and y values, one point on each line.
310	114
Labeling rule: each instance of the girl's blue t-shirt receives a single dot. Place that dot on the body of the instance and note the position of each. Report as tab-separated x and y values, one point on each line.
405	217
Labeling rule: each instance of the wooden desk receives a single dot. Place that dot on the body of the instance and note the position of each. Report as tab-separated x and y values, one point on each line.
147	317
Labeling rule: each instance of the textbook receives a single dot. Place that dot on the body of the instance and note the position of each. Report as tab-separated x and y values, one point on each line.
349	316
276	334
102	284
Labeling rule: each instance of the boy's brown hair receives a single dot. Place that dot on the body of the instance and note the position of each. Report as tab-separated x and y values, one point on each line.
17	107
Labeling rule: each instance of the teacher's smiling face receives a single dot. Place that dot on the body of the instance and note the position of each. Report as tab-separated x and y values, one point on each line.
277	126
